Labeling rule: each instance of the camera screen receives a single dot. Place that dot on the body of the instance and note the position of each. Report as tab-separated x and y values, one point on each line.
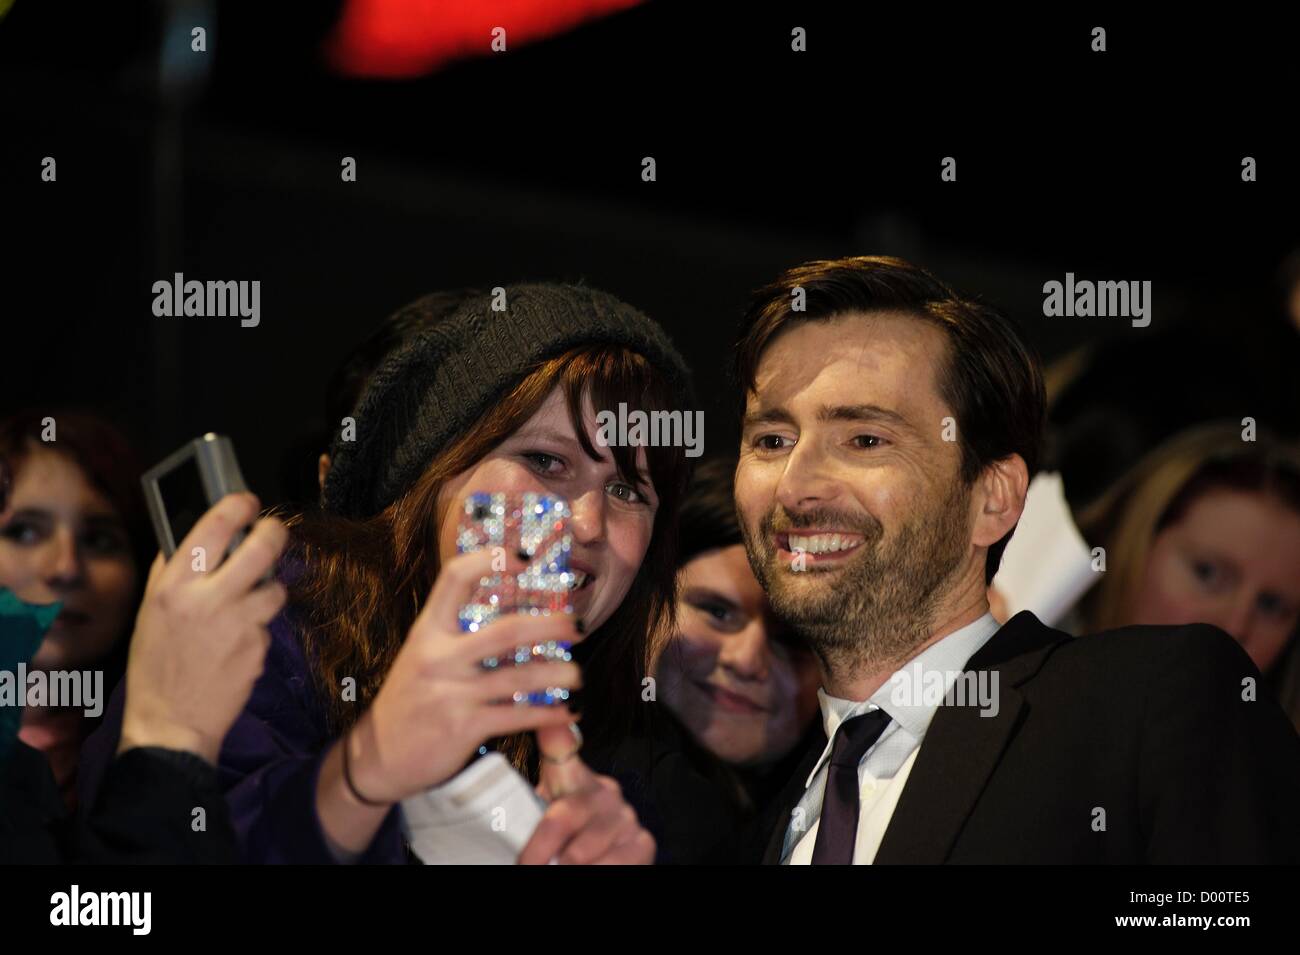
183	497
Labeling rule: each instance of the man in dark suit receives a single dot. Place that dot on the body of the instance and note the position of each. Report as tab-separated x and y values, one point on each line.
890	431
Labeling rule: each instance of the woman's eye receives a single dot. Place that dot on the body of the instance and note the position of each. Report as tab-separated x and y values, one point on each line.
541	461
1207	573
21	532
624	492
1274	606
104	542
720	615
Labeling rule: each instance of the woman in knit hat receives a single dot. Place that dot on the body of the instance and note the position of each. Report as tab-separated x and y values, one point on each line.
371	696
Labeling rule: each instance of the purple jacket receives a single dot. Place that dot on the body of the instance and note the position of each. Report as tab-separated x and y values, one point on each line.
269	763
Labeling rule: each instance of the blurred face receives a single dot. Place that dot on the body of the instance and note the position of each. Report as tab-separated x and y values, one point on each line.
742	692
61	539
612	522
854	514
1233	560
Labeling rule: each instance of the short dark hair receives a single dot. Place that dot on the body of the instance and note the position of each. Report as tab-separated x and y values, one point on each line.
707	517
990	376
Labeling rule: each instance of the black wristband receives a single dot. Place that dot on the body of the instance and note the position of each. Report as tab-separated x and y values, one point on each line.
347	777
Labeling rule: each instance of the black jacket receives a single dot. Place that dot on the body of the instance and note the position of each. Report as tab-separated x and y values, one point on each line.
1130	746
145	812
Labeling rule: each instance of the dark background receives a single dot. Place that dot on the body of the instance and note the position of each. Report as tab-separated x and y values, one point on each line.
1123	166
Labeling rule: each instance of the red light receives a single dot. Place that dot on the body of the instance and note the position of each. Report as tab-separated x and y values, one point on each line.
401	38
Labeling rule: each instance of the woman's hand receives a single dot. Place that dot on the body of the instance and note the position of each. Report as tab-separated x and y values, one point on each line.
438	705
588	822
200	638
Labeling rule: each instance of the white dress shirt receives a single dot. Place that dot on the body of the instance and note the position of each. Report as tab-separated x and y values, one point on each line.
884	769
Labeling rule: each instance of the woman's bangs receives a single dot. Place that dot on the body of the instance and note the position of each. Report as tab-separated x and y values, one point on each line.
618	380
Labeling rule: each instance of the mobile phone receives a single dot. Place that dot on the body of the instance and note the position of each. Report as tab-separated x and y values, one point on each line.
535	526
184	485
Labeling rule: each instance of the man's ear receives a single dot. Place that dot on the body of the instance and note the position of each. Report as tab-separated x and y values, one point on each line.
322	469
1000	499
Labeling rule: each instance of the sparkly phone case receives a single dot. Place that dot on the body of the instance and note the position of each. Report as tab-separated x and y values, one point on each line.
536	525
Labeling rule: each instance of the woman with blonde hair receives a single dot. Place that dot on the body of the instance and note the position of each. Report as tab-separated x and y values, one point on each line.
1206	528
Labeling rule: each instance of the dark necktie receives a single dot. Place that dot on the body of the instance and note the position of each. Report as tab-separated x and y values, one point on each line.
837	828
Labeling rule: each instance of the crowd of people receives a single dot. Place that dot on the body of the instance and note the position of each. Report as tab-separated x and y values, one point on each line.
745	634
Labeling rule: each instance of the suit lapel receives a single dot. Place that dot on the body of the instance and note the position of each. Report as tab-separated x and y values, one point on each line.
961	749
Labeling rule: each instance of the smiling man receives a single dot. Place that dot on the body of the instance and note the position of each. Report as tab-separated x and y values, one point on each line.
890	431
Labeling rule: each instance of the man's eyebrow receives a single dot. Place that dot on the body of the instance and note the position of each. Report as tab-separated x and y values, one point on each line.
767	416
862	412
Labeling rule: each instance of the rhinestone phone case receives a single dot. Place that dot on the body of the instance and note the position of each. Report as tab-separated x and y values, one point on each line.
535	525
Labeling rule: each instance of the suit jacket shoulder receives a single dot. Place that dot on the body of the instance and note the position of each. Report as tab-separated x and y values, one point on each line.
1138	745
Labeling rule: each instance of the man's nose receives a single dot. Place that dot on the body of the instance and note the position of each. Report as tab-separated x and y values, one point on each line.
806	481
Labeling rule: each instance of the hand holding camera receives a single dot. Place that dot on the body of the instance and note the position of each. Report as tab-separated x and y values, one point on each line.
201	635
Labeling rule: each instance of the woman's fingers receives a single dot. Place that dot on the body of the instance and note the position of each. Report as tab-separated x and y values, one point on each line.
457	581
636	848
155	571
592	826
501	685
213	533
562	819
251	560
496	721
611	820
261	606
510	631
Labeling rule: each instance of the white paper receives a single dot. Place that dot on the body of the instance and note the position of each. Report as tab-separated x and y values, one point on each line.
1047	565
484	815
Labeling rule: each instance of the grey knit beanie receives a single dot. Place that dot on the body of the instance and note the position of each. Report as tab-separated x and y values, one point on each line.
439	383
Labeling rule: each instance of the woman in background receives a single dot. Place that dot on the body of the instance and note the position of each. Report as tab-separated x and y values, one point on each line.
75	533
189	627
1206	529
739	681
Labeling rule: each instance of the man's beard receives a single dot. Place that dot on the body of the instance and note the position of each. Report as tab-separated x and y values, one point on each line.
879	607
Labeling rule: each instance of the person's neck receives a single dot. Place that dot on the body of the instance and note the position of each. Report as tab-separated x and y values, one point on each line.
962	607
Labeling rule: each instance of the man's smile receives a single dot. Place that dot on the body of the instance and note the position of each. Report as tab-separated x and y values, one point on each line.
816	546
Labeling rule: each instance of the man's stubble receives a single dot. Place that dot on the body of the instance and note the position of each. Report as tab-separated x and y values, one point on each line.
879	607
